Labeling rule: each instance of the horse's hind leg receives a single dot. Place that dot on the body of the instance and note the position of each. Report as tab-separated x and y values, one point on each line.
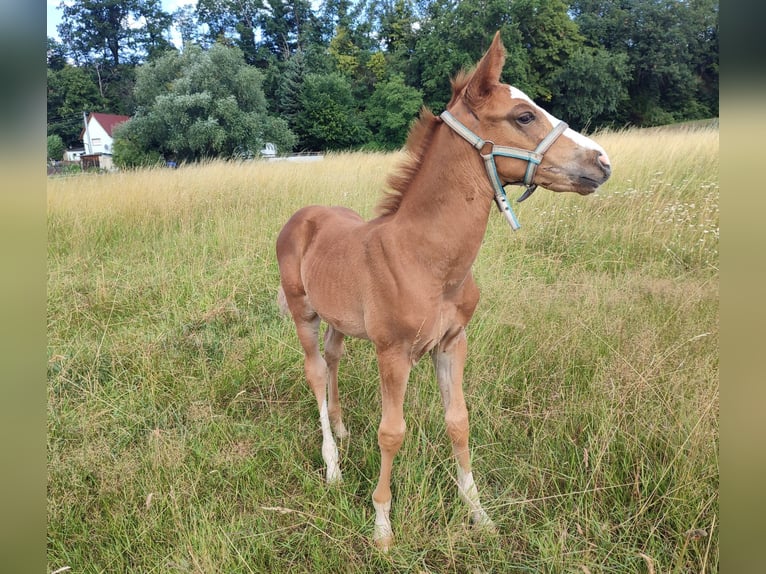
307	326
333	351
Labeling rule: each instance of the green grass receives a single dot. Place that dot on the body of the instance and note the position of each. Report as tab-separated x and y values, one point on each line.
183	438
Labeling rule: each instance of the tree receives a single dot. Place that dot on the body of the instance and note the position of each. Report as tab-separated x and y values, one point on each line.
127	151
704	47
289	83
590	89
329	116
71	91
55	54
232	21
549	37
110	37
390	111
288	26
593	62
334	14
671	48
346	55
262	30
113	31
186	21
397	19
200	104
55	147
453	37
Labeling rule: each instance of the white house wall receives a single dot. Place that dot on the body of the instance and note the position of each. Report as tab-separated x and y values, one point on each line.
97	140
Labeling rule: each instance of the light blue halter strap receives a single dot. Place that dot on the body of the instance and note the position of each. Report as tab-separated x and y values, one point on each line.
533	159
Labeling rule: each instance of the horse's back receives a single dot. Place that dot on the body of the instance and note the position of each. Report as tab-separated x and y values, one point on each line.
308	224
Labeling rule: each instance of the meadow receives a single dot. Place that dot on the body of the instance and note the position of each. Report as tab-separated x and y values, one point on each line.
182	436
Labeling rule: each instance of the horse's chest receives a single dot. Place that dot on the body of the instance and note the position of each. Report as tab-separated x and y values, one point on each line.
431	328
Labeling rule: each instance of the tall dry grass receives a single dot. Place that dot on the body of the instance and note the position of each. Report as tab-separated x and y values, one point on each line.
182	437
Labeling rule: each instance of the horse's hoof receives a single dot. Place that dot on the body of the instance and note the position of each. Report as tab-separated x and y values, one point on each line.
384	543
383	535
481	521
340	431
334	476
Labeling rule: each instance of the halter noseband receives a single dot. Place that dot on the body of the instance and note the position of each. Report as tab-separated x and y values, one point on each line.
533	159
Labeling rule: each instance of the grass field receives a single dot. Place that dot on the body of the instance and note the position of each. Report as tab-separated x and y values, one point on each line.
182	436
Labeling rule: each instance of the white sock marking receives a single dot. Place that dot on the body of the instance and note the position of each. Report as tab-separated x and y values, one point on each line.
466	487
382	521
329	448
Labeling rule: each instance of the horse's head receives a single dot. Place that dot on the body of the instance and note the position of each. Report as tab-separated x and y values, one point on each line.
528	145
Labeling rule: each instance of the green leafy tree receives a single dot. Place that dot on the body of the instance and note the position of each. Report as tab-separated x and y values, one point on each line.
390	111
55	147
288	26
704	47
329	118
71	91
334	14
200	104
346	55
128	151
185	19
590	89
288	85
264	31
396	33
284	82
549	38
109	37
113	31
232	21
55	54
593	62
397	20
453	37
671	48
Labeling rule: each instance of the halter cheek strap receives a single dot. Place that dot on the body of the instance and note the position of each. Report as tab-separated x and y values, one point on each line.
488	151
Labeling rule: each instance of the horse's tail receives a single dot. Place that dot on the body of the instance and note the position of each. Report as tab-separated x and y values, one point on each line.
282	302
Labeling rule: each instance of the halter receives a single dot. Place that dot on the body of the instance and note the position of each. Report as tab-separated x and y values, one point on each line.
533	159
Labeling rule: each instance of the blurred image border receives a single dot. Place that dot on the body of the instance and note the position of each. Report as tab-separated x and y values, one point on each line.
743	276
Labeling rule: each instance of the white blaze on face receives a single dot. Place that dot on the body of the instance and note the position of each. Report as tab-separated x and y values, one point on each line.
576	137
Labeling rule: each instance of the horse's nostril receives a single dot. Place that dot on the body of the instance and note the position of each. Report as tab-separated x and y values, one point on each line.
605	166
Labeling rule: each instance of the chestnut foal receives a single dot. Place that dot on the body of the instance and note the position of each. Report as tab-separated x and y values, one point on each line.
403	280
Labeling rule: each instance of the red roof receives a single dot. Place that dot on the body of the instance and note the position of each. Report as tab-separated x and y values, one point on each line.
107	121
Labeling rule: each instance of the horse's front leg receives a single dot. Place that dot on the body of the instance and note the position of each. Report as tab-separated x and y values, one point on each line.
394	371
449	360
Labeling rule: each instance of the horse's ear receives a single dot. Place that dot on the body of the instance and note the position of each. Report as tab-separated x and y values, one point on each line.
487	73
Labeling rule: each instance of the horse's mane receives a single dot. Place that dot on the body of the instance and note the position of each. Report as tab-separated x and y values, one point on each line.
459	82
418	140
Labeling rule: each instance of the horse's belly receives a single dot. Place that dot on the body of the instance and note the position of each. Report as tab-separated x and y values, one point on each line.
347	326
334	292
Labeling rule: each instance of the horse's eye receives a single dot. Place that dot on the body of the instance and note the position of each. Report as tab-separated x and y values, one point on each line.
526	118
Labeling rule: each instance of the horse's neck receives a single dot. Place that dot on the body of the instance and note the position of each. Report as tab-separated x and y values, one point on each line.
443	216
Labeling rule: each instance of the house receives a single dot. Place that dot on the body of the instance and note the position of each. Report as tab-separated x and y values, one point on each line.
73	155
98	139
269	150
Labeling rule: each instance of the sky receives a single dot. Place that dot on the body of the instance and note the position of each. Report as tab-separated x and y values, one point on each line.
54	13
